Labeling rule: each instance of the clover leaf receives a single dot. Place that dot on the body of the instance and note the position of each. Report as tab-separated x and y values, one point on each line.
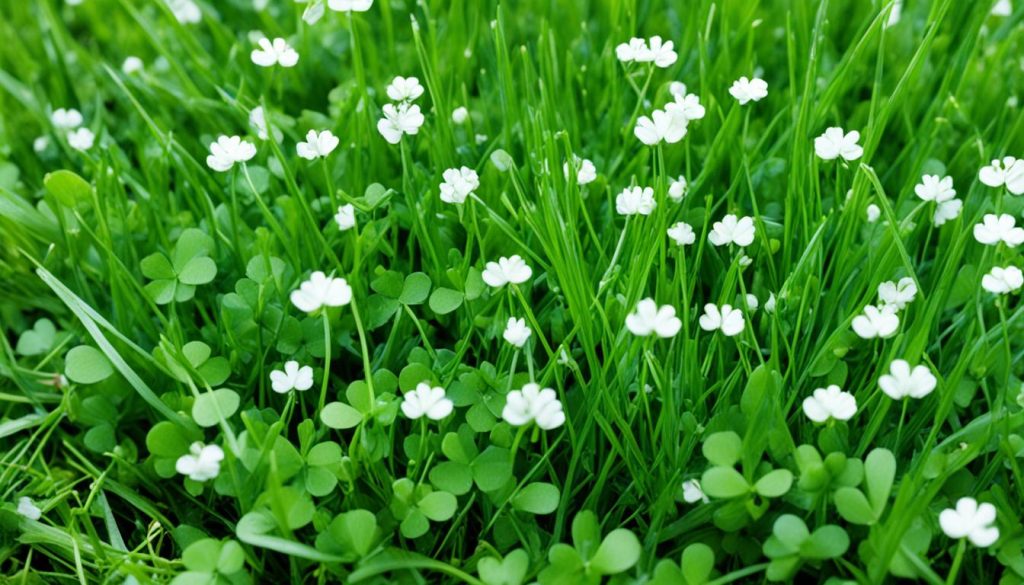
590	559
858	507
416	506
510	570
211	561
175	278
791	544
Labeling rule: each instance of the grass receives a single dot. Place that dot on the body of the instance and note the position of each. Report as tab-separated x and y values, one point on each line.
335	484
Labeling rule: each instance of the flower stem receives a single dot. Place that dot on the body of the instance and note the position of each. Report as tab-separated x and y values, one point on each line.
327	361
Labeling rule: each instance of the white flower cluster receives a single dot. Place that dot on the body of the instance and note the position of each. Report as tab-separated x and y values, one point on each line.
402	117
652	50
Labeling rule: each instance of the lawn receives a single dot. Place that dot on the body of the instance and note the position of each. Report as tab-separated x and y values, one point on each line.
465	291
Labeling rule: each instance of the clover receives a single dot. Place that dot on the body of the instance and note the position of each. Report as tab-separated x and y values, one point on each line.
866	506
590	557
416	506
722	481
208	560
175	277
792	544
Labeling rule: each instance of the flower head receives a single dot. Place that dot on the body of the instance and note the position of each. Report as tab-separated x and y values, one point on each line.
317	144
835	143
460	115
66	119
876	322
732	230
1008	172
399	120
533	404
586	172
405	89
932	188
746	90
658	52
227	151
506	270
634	50
687	105
458	184
730	321
516	332
291	378
873	213
692	492
427	401
349	5
946	211
682	234
1003	281
649	318
185	11
663	125
321	291
897	294
677	188
132	64
770	304
970	520
902	381
258	120
81	139
346	217
28	509
635	200
830	402
201	463
276	52
994	229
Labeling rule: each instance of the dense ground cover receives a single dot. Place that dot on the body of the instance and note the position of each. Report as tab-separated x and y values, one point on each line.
568	307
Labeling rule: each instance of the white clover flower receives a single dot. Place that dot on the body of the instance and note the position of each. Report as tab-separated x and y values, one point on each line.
516	332
732	230
346	217
746	90
1003	281
994	229
258	120
902	381
932	188
635	200
533	404
227	151
970	520
276	52
946	211
1002	8
459	184
663	125
81	139
399	120
658	52
202	462
131	65
1008	172
730	321
769	305
506	270
830	402
876	322
688	106
835	143
349	5
291	378
677	89
460	115
895	13
751	303
405	89
692	492
185	11
321	291
28	509
682	234
480	138
66	119
873	213
41	143
427	401
586	173
897	294
634	50
317	144
649	318
677	188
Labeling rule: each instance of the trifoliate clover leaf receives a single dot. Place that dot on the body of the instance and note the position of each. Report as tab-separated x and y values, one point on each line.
174	278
